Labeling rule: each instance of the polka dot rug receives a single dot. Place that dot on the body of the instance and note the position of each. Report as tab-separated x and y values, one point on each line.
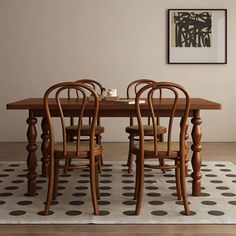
216	205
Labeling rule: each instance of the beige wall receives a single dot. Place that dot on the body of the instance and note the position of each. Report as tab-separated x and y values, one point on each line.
114	41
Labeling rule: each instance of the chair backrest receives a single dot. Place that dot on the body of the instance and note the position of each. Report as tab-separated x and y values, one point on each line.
177	93
96	86
57	91
133	89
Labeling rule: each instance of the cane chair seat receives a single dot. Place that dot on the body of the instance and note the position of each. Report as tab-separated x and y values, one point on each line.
84	149
148	130
85	130
162	149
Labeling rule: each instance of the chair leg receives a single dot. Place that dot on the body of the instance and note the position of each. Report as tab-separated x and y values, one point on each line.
93	185
136	190
177	178
183	187
97	178
99	142
56	178
130	155
50	188
141	186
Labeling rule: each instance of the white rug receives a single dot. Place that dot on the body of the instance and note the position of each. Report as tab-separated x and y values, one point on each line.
217	205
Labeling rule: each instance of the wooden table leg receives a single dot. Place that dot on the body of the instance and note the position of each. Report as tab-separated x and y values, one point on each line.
45	147
196	158
31	159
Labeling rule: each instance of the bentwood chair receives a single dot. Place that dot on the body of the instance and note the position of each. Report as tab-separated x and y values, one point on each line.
85	128
132	129
87	153
175	152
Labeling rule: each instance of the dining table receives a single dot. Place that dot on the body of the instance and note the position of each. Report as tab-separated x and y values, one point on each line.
35	108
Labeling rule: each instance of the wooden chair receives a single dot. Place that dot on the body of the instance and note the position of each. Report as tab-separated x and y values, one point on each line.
132	129
175	152
87	153
85	129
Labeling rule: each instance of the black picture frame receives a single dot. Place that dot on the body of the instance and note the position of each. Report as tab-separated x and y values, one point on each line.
197	36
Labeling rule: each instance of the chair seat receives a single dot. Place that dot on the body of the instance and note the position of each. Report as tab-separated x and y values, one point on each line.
85	130
162	149
84	149
148	130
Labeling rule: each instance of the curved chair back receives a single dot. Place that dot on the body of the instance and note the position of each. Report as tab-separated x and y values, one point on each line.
180	96
56	92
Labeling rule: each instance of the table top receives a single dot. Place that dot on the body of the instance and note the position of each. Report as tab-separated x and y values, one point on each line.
163	104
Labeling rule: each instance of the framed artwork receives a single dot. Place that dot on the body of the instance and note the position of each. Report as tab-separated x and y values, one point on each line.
197	36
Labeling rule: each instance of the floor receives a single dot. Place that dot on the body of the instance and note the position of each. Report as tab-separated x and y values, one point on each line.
118	151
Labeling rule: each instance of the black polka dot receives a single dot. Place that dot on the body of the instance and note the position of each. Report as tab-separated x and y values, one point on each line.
38	187
233	181
3	175
25	170
153	194
85	175
231	175
172	187
148	176
63	181
11	188
105	188
152	188
156	203
76	203
225	170
170	181
228	194
79	194
41	181
149	181
159	213
105	194
191	213
206	170
220	165
204	165
5	194
61	187
104	213
209	203
129	203
128	194
14	165
181	203
106	175
216	213
81	188
222	188
2	202
211	175
24	203
65	175
216	181
147	170
205	194
41	213
127	181
17	213
103	203
73	213
169	175
129	213
22	175
9	170
18	181
232	203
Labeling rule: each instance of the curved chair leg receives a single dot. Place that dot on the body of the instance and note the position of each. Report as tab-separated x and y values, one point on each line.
183	187
56	178
97	178
99	142
136	190
177	178
141	186
93	185
50	188
130	155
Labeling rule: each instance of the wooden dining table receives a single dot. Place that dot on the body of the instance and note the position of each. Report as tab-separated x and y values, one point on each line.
70	106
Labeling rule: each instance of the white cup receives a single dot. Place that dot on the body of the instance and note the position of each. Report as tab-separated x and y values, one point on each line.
112	92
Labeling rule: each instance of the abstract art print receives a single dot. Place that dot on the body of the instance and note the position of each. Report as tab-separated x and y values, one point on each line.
197	36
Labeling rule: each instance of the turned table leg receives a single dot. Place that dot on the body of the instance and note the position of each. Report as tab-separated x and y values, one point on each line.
196	158
45	146
31	159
